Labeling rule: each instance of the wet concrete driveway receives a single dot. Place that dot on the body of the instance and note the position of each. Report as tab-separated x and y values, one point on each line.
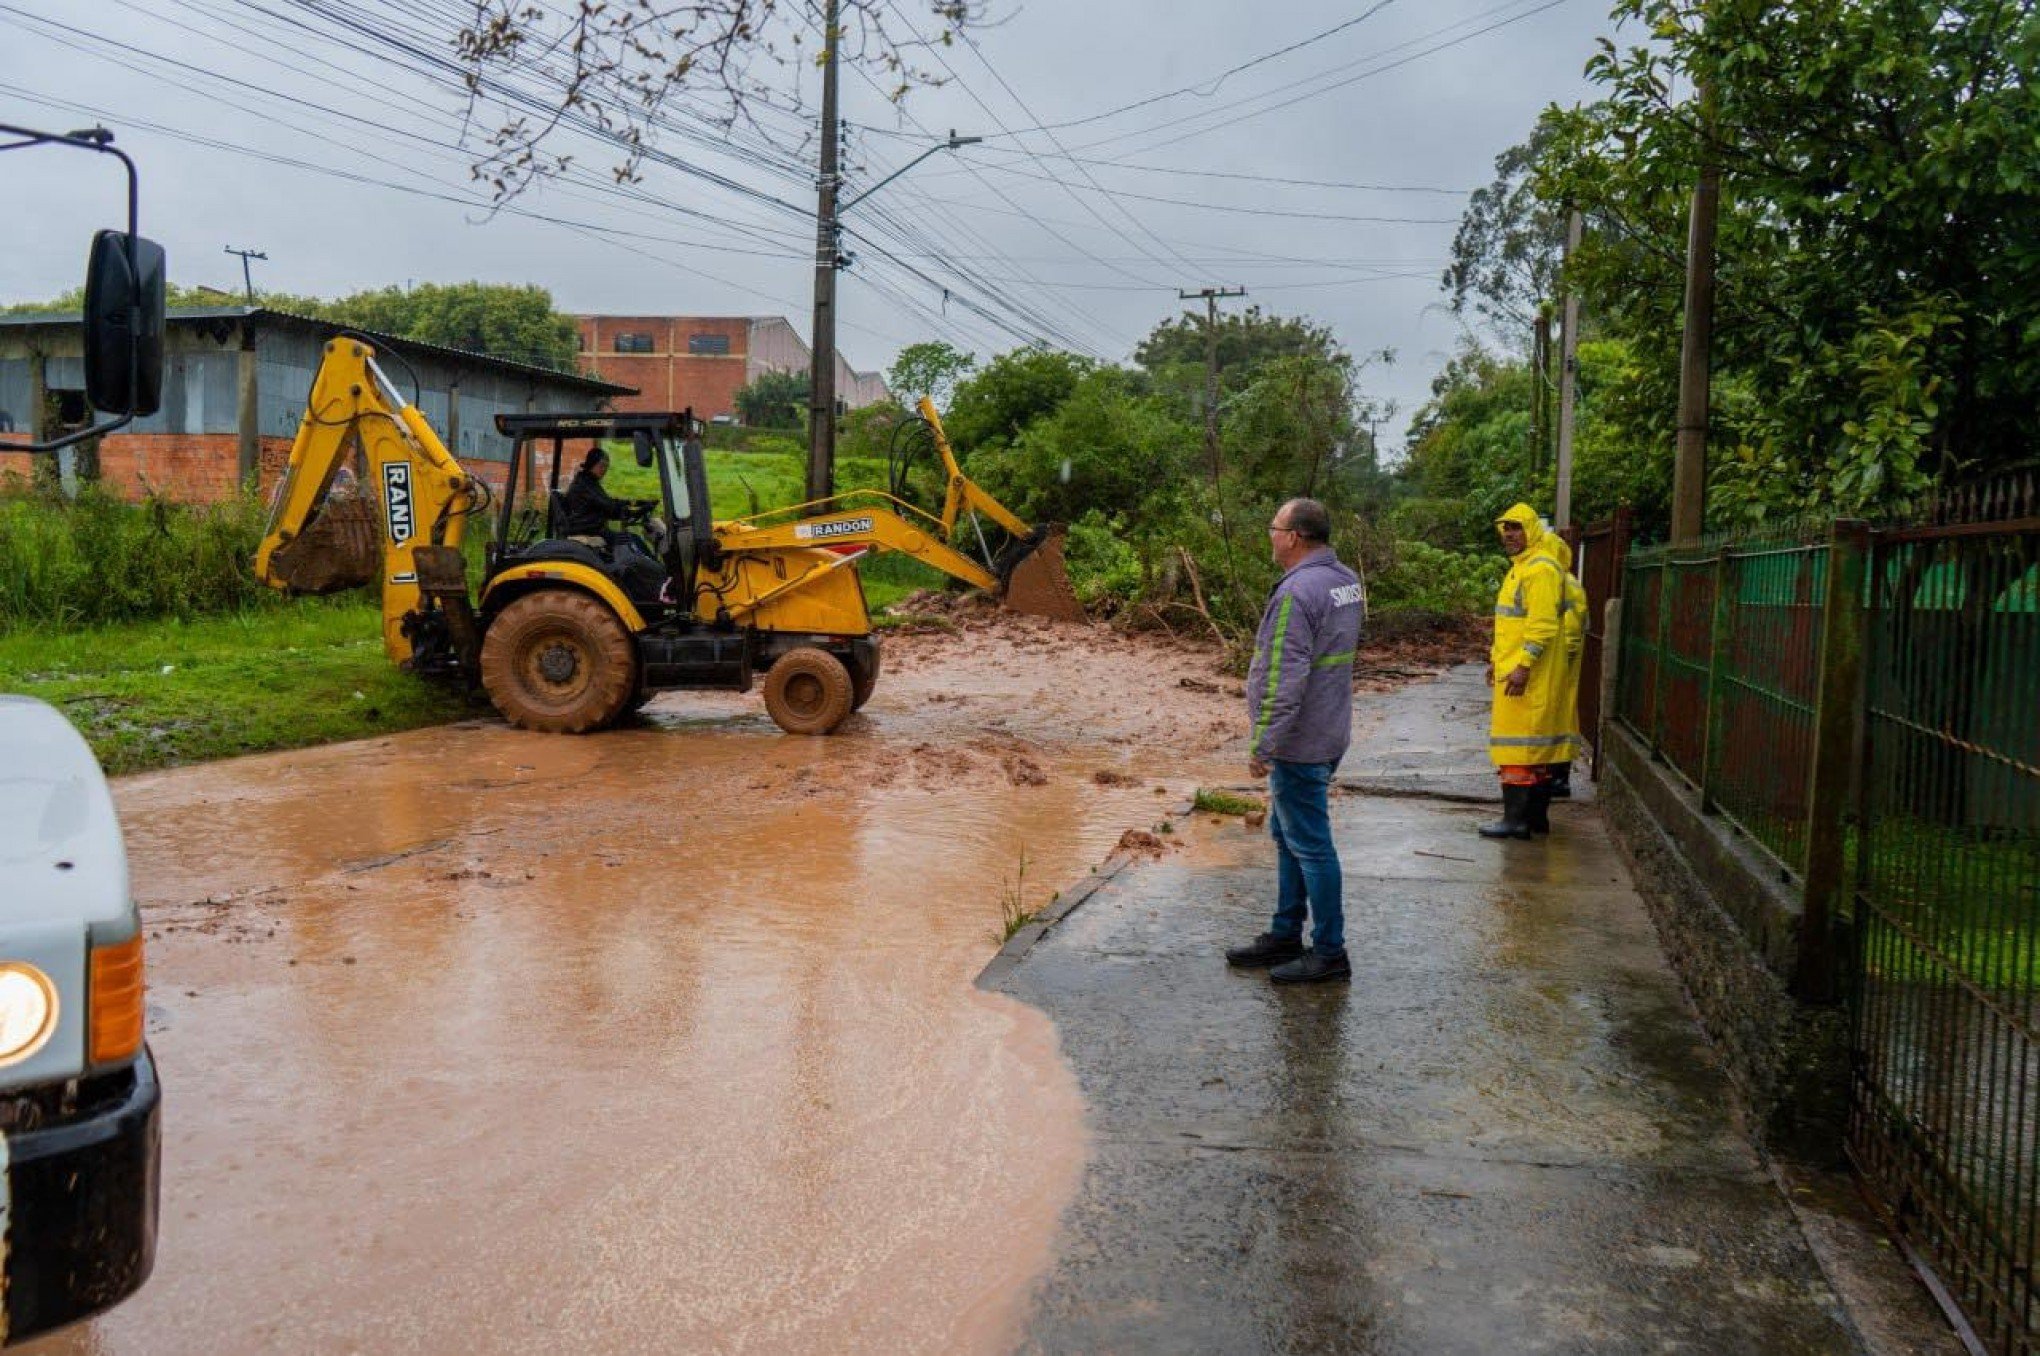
1506	1135
658	1041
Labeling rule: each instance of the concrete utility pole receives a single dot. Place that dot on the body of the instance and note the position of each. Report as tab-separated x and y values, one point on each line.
1568	365
1540	401
247	277
1211	297
821	470
1689	464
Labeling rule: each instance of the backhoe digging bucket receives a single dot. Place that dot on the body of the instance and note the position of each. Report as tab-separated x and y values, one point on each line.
340	549
1036	578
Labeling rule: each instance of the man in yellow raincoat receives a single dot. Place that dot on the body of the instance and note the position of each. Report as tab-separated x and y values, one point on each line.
1529	729
1572	625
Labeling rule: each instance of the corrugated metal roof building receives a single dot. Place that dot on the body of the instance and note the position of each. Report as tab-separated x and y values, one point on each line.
235	380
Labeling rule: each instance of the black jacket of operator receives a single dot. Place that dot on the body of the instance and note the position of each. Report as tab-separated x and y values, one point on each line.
589	507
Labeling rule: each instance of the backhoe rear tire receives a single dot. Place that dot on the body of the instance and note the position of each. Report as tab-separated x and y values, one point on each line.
559	661
808	692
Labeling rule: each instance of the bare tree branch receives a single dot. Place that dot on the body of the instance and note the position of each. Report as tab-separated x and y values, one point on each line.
546	76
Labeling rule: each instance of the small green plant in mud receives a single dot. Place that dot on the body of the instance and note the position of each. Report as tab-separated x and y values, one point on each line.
1013	911
1225	803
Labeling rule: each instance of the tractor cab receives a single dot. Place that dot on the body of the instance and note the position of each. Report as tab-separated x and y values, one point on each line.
656	545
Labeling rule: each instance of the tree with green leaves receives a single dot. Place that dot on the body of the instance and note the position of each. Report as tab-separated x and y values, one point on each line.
932	369
774	400
1505	254
995	404
1245	339
1878	288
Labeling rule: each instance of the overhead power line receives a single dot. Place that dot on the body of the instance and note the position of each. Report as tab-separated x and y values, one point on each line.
1213	82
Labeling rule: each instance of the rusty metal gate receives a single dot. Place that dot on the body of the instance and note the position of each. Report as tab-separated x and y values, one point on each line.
1598	556
1945	1114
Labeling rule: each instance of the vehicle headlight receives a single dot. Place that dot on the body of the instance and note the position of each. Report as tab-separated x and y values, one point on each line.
28	1011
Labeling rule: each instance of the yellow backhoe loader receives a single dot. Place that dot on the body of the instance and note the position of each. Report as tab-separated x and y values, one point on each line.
568	633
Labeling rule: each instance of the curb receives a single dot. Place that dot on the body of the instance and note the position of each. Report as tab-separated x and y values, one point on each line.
1020	943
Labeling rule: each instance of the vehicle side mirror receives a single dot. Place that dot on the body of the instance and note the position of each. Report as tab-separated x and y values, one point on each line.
641	447
124	324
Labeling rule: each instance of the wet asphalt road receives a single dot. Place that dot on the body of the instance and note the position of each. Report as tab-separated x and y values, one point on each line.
1506	1135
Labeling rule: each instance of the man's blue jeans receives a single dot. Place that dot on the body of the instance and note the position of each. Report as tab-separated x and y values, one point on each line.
1308	883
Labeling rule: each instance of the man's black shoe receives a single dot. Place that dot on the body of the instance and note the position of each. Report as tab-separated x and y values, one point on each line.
1266	949
1313	969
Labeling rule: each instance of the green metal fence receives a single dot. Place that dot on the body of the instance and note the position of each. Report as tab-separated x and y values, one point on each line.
1720	650
1865	706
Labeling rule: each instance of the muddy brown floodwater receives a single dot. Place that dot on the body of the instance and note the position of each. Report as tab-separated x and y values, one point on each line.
657	1040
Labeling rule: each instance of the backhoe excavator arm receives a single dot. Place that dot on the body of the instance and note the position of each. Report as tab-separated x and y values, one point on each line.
963	492
769	562
409	517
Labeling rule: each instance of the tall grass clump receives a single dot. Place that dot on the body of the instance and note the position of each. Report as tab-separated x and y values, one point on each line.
97	559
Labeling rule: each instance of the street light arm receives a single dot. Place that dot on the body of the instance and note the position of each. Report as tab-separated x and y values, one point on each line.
953	143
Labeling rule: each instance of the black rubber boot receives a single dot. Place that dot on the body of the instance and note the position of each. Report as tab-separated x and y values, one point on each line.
1537	809
1515	809
1266	949
1561	781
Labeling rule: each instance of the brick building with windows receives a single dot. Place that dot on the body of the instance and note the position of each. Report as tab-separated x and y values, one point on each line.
235	380
679	362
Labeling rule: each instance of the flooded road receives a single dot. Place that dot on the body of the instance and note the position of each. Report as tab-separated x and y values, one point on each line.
657	1040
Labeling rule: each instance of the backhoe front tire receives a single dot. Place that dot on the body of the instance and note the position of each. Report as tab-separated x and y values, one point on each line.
808	692
559	661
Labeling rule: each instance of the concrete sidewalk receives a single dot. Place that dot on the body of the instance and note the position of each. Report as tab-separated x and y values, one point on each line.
1507	1135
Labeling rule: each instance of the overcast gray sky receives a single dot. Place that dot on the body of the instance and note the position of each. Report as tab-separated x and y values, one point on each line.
312	130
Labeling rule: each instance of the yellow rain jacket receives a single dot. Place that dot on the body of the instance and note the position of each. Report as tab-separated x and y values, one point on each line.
1572	627
1529	633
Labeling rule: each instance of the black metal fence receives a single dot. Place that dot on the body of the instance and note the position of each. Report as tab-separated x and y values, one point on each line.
1946	1105
1865	706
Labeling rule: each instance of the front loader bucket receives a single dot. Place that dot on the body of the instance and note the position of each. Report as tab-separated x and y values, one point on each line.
340	549
1034	577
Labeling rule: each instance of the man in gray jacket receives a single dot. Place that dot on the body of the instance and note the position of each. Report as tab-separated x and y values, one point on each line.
1300	700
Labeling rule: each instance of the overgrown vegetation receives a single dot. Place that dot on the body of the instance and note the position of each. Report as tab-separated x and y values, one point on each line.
97	560
1876	299
1163	530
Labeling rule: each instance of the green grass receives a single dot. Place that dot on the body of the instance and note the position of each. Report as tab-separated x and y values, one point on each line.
1225	803
1972	896
160	693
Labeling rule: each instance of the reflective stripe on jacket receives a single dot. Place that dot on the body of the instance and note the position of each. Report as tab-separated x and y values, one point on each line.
1300	685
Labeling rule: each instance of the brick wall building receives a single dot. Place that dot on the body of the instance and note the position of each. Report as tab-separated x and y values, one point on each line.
678	362
234	385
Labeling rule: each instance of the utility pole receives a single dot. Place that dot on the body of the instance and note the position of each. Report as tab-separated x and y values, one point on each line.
821	471
1568	366
1211	297
247	277
1540	392
1689	463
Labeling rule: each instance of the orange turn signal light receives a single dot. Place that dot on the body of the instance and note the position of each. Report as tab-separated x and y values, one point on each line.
117	988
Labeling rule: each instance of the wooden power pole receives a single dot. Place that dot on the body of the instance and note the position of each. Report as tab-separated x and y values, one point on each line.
821	470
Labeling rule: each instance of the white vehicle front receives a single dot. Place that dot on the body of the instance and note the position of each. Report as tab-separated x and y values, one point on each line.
79	1103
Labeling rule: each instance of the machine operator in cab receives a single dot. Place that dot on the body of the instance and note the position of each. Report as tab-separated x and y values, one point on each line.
590	508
